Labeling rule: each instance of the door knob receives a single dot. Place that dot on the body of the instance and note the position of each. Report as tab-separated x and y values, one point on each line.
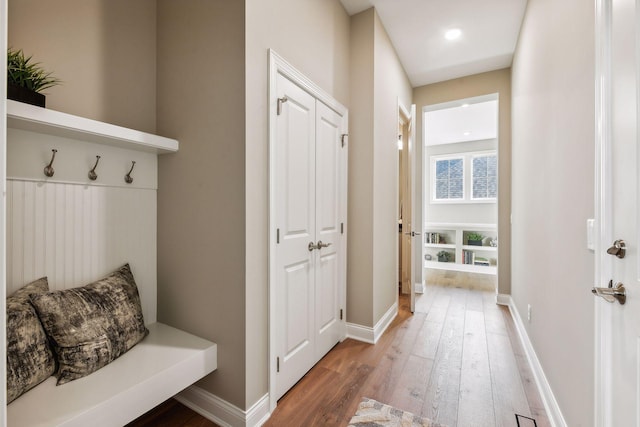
618	249
312	246
321	245
412	233
612	293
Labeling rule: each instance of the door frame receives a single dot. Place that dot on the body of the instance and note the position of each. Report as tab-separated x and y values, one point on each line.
279	66
603	212
3	187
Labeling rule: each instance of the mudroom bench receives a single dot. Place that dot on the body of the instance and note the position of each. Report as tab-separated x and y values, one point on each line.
167	361
93	208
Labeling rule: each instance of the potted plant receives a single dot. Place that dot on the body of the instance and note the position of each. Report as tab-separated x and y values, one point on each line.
444	256
26	79
474	239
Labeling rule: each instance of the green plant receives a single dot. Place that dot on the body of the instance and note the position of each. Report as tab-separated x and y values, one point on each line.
474	236
444	255
21	71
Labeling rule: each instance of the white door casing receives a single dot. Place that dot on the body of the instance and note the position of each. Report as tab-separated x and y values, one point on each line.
617	326
416	224
307	205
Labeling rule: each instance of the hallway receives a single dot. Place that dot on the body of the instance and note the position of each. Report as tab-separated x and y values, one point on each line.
458	361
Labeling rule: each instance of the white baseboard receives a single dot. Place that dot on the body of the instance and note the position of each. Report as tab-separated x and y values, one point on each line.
550	403
222	412
419	288
372	335
503	299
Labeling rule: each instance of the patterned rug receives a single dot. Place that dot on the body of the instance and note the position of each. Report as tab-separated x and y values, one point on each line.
375	414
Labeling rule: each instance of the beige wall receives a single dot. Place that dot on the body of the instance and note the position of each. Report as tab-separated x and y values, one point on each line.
361	154
104	51
201	196
313	36
553	182
391	85
378	84
466	87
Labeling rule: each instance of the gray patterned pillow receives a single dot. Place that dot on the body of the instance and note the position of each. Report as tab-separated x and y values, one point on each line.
91	326
29	357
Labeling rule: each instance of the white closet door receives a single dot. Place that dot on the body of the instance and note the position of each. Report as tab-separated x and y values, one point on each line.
296	221
328	160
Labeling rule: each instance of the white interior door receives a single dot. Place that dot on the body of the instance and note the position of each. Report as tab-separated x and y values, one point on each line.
328	327
296	226
617	325
309	197
416	234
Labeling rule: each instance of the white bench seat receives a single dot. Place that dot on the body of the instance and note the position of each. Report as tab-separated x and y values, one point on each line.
167	361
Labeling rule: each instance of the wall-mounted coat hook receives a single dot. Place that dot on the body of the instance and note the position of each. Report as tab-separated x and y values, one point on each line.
48	170
92	173
128	178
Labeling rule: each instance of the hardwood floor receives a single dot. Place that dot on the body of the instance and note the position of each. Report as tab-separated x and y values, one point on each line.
457	360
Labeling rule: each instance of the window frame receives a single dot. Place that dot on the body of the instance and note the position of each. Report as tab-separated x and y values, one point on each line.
467	176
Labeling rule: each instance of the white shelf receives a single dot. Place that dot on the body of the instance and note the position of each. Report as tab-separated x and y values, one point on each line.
41	120
439	245
480	248
470	268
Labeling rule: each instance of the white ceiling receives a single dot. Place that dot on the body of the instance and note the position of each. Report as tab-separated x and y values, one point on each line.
490	31
460	123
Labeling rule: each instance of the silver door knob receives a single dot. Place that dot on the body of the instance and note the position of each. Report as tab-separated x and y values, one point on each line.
412	233
321	245
618	249
612	293
312	246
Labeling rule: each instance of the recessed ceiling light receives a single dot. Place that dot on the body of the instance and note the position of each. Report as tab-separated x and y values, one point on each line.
453	34
467	133
464	105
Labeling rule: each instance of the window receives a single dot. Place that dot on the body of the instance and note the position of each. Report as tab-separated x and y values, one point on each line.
449	178
484	172
464	177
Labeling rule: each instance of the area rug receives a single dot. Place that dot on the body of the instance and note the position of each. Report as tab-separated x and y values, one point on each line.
371	413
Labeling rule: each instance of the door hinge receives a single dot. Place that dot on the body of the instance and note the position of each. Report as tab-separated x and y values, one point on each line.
342	228
342	138
277	364
277	235
280	102
340	314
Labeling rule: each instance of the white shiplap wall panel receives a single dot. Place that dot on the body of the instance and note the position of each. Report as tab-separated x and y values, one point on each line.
77	233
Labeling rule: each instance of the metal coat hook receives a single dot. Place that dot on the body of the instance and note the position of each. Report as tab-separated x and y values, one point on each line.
127	178
92	173
48	170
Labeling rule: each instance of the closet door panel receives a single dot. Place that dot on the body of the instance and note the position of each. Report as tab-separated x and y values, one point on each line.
328	157
296	221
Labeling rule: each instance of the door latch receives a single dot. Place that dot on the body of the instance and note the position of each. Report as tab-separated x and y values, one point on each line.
618	249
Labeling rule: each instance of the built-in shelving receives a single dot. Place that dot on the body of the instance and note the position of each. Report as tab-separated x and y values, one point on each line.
42	120
455	238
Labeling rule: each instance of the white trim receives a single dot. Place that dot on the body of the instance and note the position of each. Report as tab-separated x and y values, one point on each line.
372	335
603	380
419	287
222	412
3	216
277	65
503	299
548	399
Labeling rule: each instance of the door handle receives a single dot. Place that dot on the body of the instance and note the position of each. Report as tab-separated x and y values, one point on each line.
412	233
318	245
612	293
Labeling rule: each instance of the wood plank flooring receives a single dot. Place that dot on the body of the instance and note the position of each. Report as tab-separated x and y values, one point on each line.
457	360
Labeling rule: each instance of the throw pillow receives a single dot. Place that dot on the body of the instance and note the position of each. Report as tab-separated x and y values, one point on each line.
91	326
29	357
